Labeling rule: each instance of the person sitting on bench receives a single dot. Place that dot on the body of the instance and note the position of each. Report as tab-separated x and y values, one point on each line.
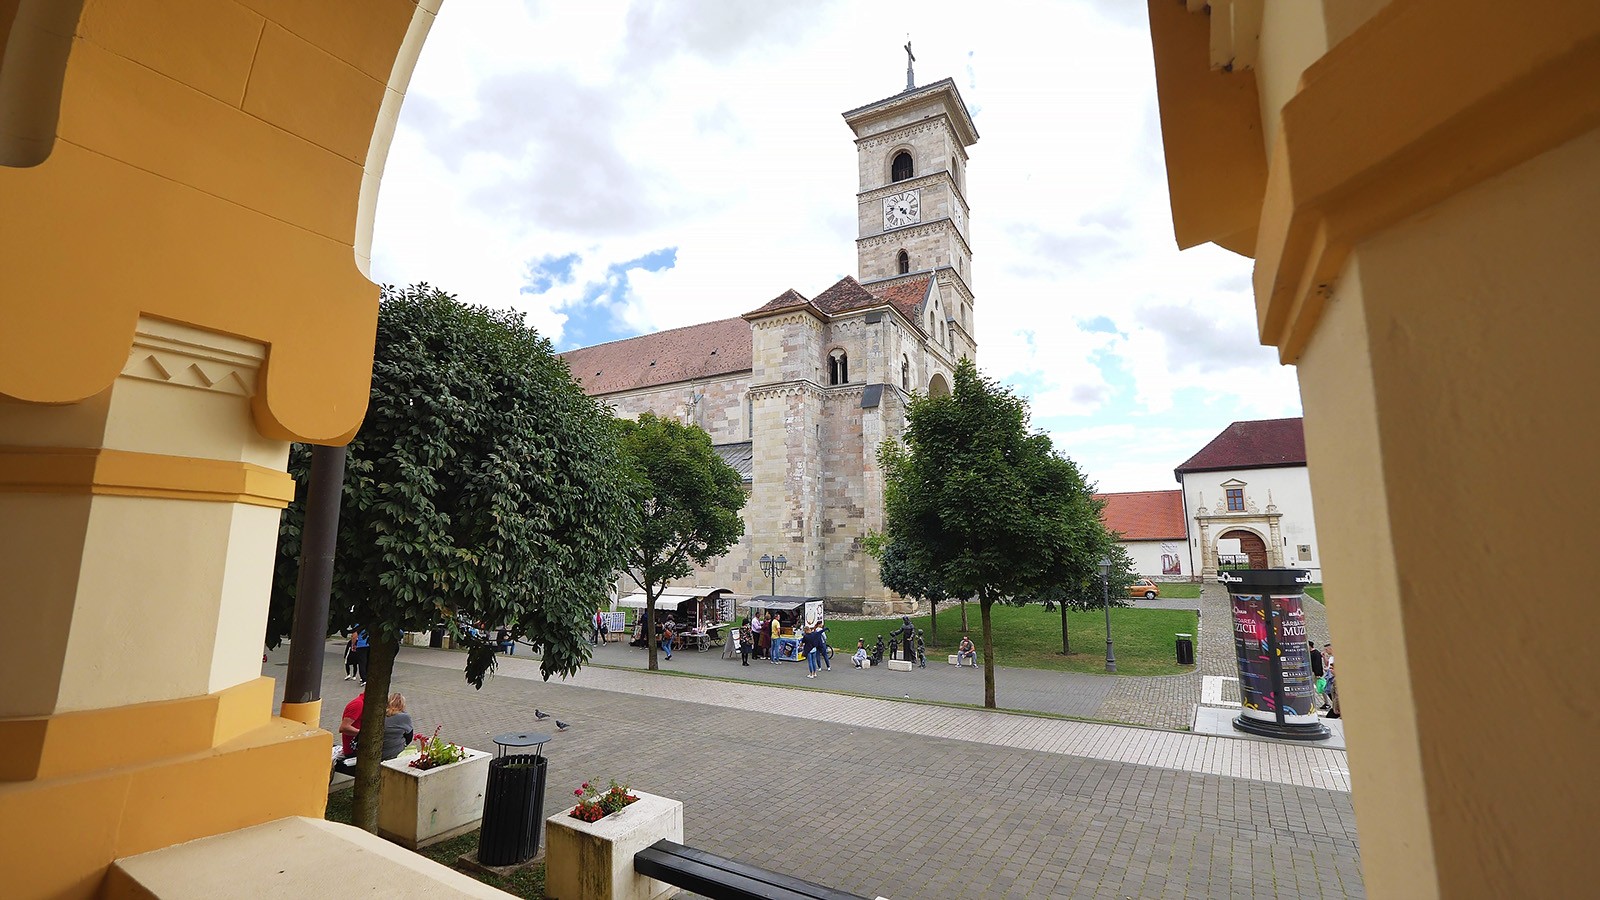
861	652
349	729
967	652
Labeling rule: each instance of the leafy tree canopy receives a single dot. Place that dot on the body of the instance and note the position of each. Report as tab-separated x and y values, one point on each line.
983	507
688	501
484	486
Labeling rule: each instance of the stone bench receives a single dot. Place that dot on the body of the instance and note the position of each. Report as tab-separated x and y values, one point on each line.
954	657
899	665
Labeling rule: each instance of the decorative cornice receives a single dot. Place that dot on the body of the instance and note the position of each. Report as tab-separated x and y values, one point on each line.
786	389
940	176
168	353
874	241
1401	115
123	473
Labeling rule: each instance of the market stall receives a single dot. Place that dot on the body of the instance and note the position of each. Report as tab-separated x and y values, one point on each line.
697	614
792	614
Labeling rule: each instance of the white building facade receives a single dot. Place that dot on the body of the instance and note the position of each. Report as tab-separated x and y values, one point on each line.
1251	485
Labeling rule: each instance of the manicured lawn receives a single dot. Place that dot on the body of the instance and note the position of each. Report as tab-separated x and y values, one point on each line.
1315	590
527	883
1028	637
1180	590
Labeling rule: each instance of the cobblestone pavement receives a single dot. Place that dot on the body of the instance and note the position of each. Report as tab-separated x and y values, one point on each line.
906	800
1169	701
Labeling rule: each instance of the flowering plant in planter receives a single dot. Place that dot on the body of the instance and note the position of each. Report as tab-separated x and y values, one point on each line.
594	805
435	752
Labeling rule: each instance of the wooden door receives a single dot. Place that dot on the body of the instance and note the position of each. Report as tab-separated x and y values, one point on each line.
1252	546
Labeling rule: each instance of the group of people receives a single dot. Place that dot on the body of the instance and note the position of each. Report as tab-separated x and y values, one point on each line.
1326	686
398	731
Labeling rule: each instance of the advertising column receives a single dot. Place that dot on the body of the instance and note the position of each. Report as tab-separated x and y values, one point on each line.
1269	638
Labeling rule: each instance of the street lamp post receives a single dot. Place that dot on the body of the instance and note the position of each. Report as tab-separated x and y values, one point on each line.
772	568
1105	593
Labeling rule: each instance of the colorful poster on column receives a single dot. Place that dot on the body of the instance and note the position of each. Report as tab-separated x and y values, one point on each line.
1258	695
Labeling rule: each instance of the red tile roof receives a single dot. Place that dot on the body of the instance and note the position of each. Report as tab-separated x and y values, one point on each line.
1145	515
847	295
907	297
790	299
680	354
1261	444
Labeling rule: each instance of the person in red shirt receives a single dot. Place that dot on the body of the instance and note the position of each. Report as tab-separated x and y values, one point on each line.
349	730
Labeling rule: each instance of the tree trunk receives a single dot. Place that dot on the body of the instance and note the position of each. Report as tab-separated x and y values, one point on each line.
650	626
933	622
988	653
964	628
369	744
1066	649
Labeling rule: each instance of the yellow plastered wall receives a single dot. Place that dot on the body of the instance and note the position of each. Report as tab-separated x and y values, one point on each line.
1480	327
188	188
1425	253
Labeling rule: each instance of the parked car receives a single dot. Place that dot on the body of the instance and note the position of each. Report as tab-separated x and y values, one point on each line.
1145	588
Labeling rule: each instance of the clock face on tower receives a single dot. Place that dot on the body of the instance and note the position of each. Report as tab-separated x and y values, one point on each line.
902	209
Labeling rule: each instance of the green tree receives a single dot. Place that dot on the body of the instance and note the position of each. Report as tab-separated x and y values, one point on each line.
483	487
688	500
899	574
983	505
1081	590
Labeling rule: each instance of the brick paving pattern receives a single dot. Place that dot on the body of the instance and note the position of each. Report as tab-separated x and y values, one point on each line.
907	800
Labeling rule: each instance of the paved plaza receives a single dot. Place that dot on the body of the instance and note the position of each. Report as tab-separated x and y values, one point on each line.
905	800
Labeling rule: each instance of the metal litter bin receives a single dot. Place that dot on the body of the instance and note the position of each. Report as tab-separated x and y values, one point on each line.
1185	649
513	800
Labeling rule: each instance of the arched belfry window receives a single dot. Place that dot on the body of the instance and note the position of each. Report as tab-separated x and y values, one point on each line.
905	373
838	367
903	262
901	168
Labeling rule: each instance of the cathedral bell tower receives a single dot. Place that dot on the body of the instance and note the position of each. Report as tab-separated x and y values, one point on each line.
911	205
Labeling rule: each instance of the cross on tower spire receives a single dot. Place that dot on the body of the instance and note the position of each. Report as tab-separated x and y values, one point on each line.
911	80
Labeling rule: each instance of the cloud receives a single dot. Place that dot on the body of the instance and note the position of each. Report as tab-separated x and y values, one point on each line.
613	168
713	31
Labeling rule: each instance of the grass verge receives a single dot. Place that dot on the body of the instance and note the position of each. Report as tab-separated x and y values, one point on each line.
528	883
1030	638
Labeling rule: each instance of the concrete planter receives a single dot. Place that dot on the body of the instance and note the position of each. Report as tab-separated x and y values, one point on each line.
594	860
419	807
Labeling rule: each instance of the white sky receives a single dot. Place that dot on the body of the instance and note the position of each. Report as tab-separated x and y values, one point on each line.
702	142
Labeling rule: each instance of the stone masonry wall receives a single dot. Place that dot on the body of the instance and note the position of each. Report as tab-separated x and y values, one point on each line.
720	408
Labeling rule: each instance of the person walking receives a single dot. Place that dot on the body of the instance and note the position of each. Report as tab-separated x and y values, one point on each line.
822	646
1318	684
745	638
605	627
1332	676
350	670
666	638
363	651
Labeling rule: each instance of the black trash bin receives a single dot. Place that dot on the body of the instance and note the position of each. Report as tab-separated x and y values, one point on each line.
513	810
1185	649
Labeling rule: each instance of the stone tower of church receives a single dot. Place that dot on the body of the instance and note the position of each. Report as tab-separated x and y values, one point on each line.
912	205
831	376
800	392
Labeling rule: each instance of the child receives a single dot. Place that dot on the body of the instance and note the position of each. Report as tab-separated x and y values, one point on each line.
350	656
922	651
